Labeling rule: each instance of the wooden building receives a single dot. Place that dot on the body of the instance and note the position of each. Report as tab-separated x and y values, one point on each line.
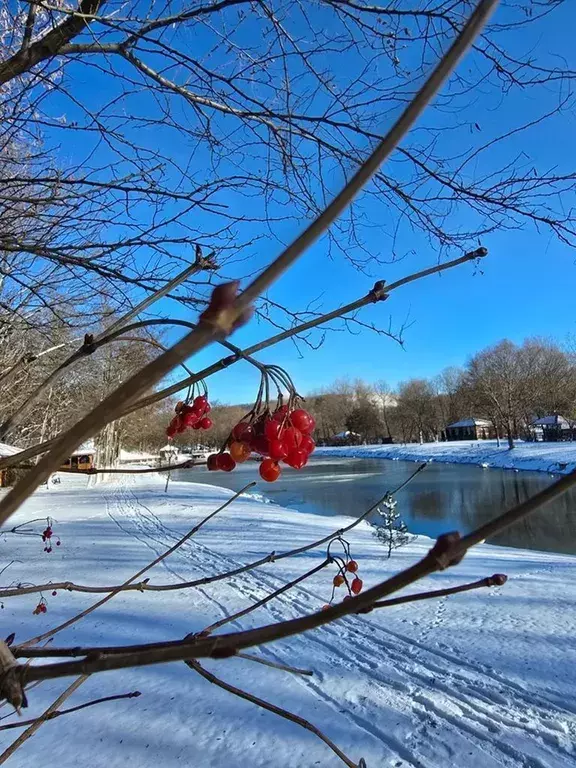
470	429
83	458
8	475
553	428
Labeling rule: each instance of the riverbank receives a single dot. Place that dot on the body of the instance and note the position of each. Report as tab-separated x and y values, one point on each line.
558	458
477	679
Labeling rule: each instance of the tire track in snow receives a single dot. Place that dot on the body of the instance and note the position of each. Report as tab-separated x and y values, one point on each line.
472	708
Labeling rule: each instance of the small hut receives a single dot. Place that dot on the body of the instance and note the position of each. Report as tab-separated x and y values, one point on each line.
82	458
168	454
470	429
553	428
7	476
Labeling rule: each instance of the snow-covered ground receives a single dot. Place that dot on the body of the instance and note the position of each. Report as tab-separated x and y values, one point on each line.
542	457
478	680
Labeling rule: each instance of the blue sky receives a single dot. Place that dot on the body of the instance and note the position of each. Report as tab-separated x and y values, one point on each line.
525	288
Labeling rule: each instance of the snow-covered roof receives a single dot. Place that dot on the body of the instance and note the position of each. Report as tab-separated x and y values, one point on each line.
84	449
470	423
169	449
135	455
8	450
347	433
554	420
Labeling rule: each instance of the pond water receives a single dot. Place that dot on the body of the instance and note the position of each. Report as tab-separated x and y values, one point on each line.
444	497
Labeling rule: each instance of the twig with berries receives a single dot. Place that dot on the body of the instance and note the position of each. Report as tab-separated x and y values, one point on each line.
279	432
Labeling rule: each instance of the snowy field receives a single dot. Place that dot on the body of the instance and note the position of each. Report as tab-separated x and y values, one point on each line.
541	457
485	679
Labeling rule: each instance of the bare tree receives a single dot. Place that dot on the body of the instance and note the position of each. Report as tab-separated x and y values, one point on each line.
184	144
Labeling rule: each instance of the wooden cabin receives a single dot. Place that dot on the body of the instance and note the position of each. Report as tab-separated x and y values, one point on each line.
553	428
83	458
7	476
470	429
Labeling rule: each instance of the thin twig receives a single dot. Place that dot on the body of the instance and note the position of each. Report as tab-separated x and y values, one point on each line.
59	712
271	708
265	600
497	580
137	575
31	730
274	664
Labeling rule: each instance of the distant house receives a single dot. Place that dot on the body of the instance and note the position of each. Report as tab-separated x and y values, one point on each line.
346	438
168	453
7	475
553	428
81	459
470	429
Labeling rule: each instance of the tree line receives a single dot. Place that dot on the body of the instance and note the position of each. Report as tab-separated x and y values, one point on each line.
509	384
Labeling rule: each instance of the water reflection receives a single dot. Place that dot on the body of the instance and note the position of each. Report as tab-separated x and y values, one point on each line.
444	497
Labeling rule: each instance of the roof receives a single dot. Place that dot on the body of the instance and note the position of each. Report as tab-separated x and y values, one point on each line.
470	423
135	455
86	448
168	449
554	420
8	450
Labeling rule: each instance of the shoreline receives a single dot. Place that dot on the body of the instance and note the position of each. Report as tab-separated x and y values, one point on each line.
554	458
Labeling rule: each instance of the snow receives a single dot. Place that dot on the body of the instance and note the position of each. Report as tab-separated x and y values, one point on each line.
482	679
470	423
542	457
8	450
130	456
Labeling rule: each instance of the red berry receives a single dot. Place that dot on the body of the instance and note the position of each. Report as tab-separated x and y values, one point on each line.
277	450
207	408
261	445
280	413
170	431
273	429
269	470
226	462
356	585
352	566
307	444
301	419
191	418
205	423
292	438
212	462
338	580
182	427
243	431
239	451
296	459
200	403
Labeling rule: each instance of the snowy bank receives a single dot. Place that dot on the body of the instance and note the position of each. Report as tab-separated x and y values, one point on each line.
477	680
541	457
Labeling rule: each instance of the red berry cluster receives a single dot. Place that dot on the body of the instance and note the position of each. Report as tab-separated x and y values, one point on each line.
47	536
40	608
280	436
347	572
188	416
